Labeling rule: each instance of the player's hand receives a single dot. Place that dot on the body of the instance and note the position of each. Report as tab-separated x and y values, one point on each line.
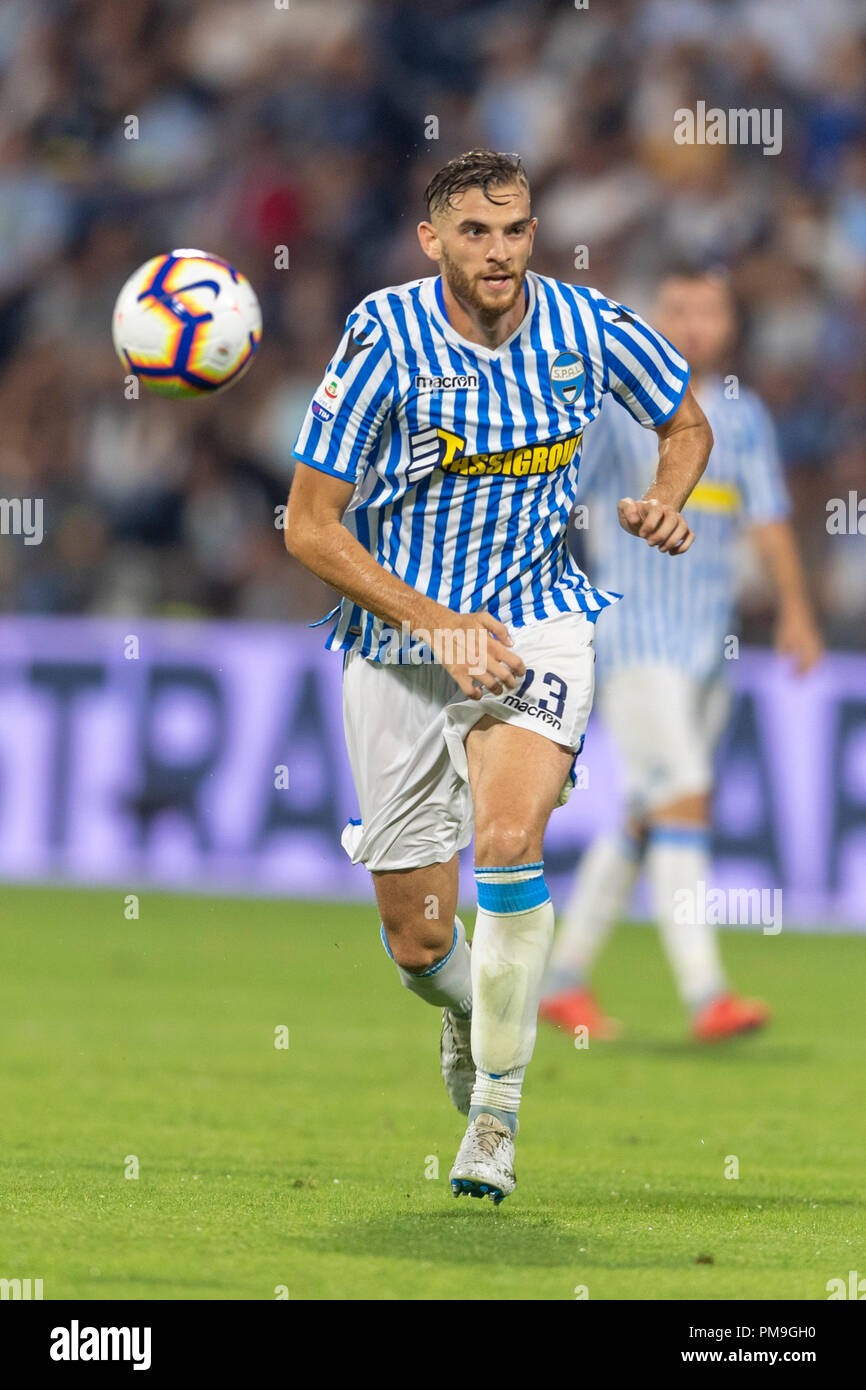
797	636
475	648
657	523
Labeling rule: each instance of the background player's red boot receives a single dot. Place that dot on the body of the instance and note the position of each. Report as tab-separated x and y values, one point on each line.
579	1008
727	1017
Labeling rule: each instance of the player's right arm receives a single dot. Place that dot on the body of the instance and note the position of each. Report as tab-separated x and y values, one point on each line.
316	536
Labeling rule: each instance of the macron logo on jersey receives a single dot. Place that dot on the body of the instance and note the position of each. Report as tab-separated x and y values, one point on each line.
356	344
467	382
622	314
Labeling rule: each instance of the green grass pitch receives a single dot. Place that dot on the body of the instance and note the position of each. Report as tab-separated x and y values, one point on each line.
313	1167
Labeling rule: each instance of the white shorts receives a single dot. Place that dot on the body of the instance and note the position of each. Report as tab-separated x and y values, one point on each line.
405	727
666	725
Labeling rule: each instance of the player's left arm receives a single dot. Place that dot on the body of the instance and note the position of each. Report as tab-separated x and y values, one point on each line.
797	633
685	441
650	378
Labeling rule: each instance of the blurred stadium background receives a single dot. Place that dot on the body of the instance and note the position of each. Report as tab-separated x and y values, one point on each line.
309	128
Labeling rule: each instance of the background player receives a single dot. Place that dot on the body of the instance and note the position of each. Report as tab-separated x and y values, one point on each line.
660	666
437	469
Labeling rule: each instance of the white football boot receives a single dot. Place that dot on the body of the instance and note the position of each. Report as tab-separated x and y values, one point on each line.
455	1057
484	1166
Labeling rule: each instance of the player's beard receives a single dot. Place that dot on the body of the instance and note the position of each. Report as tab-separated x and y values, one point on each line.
468	291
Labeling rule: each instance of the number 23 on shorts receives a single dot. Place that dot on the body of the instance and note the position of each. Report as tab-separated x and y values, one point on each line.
557	690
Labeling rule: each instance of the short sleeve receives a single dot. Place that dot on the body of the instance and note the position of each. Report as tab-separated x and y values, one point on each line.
344	423
641	368
760	473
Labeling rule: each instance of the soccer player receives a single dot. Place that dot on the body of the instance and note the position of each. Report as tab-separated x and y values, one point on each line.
437	467
661	660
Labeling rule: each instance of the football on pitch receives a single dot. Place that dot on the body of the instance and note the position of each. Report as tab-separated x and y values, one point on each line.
187	324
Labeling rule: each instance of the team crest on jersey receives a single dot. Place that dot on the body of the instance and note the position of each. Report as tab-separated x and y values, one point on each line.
567	377
441	448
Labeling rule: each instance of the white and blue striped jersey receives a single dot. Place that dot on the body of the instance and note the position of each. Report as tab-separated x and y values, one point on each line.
677	610
464	458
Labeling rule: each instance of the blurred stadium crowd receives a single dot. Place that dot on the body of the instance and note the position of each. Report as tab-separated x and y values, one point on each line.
307	127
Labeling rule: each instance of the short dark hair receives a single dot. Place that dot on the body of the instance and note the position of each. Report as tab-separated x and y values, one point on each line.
484	169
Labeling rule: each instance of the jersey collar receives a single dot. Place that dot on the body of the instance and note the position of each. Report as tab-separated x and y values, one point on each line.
436	309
